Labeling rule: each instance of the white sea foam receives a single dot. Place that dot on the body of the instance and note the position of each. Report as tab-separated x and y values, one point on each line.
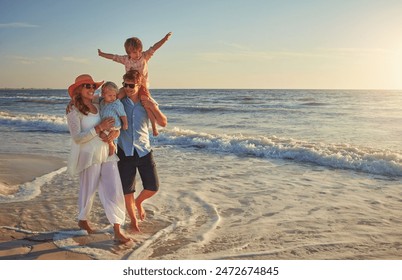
29	190
342	156
42	122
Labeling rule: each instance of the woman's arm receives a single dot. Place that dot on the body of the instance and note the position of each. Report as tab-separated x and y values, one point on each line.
74	125
79	136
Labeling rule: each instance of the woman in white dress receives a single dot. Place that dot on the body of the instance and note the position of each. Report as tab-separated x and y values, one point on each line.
89	158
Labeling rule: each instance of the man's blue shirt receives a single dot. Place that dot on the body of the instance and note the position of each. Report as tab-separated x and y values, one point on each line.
137	135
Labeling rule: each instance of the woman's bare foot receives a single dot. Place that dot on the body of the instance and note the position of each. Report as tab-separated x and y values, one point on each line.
85	226
120	238
141	211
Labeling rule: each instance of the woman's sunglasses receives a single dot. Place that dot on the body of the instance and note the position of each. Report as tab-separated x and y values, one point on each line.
88	86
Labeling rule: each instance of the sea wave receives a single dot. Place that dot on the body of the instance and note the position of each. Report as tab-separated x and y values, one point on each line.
221	109
48	99
34	122
196	108
339	156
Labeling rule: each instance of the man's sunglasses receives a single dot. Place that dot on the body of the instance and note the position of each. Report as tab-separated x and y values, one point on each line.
129	85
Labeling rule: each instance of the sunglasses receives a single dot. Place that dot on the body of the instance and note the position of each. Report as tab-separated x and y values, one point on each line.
88	86
129	85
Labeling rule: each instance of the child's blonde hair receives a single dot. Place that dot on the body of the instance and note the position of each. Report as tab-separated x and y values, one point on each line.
133	44
111	86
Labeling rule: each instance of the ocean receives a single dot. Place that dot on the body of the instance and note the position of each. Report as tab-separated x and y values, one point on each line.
256	174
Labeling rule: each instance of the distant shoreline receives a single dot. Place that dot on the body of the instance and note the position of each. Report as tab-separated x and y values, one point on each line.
312	89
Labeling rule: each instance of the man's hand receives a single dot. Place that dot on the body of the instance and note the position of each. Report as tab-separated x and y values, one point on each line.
148	103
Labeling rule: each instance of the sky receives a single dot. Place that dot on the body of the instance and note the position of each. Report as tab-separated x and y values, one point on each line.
253	44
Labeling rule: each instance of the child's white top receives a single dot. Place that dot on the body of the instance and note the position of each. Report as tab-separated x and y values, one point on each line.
140	64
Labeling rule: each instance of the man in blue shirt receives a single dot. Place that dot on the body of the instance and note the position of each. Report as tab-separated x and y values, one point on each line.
134	148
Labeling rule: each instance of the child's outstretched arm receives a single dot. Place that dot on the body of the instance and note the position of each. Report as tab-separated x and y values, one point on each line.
105	55
161	42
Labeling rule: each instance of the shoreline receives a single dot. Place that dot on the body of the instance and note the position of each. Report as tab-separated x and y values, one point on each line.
31	230
19	245
17	169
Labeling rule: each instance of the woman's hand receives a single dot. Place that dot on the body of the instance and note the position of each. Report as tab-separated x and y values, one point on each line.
103	136
106	124
110	137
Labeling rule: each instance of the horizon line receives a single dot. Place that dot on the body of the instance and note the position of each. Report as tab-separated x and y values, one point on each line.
47	88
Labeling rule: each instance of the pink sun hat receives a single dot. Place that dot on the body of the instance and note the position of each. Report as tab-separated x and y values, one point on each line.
83	79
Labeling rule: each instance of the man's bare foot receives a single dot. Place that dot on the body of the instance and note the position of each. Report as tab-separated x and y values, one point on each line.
141	211
120	238
85	226
155	132
135	227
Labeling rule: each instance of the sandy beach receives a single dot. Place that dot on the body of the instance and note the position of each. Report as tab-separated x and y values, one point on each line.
16	244
24	235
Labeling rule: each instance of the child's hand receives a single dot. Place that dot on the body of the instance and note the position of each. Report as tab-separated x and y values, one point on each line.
168	36
121	94
99	52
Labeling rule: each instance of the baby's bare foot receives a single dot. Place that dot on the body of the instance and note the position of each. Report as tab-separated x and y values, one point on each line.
112	148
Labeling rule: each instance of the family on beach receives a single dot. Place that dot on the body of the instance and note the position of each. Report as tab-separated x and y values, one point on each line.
111	139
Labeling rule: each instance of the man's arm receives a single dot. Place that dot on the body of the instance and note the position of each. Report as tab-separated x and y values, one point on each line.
160	118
